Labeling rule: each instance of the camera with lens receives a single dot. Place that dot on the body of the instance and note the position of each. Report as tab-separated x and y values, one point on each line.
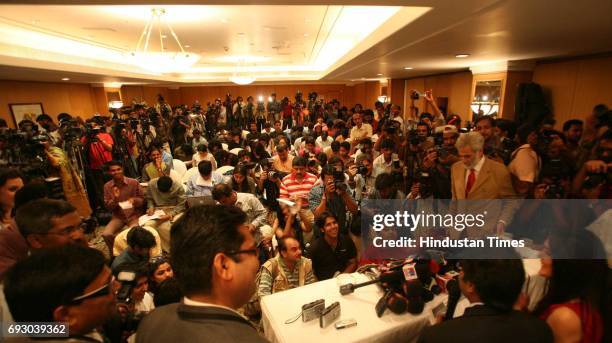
339	183
362	170
413	137
555	191
425	183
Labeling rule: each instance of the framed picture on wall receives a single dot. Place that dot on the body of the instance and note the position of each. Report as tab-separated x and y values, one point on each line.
23	111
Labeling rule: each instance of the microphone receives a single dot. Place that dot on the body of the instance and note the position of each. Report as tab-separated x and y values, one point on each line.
414	294
395	276
397	304
454	293
381	305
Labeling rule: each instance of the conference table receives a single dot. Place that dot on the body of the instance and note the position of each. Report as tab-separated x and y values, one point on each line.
279	307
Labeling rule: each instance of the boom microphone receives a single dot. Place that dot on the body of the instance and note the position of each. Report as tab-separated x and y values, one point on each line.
395	276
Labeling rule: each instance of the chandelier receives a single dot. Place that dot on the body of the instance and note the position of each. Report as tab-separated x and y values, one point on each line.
161	61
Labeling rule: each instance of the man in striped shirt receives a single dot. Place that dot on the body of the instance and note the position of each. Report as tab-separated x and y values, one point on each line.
289	269
298	185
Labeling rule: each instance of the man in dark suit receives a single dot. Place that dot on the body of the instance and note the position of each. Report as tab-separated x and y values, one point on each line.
215	263
492	287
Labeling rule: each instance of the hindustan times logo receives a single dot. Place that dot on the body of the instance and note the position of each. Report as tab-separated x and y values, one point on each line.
411	221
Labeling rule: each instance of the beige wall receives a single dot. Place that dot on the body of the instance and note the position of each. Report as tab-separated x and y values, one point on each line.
76	99
575	86
364	93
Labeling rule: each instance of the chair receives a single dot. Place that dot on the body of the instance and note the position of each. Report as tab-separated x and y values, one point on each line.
179	166
190	172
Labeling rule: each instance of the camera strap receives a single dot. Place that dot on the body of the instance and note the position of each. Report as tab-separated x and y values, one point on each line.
293	319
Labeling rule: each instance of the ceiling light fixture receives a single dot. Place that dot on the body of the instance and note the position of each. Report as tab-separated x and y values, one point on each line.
462	55
408	68
379	74
162	61
65	79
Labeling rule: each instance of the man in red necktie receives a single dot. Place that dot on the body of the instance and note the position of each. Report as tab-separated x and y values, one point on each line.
477	177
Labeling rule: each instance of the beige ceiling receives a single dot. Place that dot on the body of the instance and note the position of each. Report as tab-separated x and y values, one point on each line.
286	35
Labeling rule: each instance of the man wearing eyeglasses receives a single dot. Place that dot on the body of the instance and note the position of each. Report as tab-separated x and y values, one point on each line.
71	285
49	223
215	261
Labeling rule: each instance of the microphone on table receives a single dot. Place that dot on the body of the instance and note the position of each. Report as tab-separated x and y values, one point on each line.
391	300
391	277
454	293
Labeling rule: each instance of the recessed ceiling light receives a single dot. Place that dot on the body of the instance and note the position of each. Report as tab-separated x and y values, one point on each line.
187	46
462	55
163	36
408	68
65	79
306	35
378	74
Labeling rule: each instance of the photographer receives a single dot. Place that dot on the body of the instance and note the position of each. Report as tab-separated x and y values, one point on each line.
273	108
387	161
179	127
331	194
70	285
72	186
268	184
364	180
485	125
49	129
98	147
600	165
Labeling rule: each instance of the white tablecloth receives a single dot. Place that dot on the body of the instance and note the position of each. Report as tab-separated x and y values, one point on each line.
279	307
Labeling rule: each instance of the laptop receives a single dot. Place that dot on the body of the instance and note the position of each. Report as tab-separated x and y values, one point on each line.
199	201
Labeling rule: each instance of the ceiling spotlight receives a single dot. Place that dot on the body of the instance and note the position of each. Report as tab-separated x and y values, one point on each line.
378	74
65	79
306	35
187	46
408	68
163	36
462	55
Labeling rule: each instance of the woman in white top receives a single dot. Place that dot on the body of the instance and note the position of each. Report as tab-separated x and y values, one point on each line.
203	155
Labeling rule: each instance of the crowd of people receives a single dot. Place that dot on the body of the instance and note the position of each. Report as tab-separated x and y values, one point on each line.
204	211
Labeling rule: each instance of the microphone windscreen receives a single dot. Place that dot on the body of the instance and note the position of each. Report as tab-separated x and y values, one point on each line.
397	304
392	277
